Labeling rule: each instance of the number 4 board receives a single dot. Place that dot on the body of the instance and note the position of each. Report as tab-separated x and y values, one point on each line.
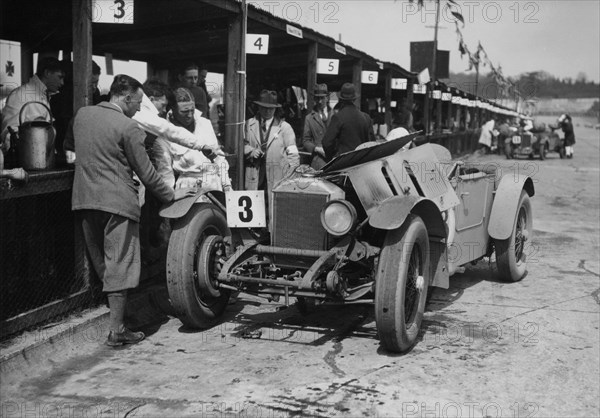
246	209
257	44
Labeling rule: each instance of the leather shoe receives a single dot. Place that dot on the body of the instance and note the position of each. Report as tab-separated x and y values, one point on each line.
116	339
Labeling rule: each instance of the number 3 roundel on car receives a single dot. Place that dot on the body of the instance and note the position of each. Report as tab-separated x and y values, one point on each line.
246	209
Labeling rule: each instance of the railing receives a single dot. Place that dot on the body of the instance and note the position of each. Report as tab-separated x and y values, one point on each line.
38	256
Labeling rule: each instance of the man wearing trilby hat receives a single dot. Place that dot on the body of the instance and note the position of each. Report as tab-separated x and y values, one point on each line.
270	147
315	125
349	127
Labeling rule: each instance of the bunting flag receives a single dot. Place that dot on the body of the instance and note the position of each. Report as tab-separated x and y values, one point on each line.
479	53
464	50
457	15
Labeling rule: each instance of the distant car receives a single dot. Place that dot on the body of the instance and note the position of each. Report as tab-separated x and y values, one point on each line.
532	144
378	225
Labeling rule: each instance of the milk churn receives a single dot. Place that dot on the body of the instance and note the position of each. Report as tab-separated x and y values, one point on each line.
36	141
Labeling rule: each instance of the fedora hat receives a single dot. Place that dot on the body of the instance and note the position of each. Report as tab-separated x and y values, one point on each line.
321	90
348	92
268	98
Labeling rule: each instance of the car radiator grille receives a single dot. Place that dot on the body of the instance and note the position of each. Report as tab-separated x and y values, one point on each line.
297	221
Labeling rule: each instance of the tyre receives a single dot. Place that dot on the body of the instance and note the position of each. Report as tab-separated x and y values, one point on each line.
543	151
511	253
193	263
401	285
561	152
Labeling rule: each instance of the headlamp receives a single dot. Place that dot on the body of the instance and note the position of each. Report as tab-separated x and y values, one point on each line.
338	217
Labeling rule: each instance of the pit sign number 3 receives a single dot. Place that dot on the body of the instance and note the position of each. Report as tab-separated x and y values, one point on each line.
246	209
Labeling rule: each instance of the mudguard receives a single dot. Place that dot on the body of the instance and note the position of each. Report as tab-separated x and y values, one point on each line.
506	200
179	208
392	213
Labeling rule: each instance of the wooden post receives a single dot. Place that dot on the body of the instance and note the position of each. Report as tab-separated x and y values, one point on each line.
232	94
82	53
311	80
388	99
426	109
357	81
27	69
410	100
438	115
82	96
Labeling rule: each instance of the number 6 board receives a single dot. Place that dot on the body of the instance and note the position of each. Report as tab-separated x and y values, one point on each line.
246	209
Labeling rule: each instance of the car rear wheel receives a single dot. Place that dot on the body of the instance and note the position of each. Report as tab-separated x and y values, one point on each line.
401	285
511	253
195	251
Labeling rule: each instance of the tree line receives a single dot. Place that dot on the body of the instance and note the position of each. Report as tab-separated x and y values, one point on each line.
531	85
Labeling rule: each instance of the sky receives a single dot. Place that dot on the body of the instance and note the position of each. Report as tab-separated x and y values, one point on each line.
561	37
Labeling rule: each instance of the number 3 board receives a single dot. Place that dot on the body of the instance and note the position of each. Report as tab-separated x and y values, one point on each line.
246	209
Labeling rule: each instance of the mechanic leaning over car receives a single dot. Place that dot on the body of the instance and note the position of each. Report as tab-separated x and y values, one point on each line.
110	149
349	127
270	147
191	167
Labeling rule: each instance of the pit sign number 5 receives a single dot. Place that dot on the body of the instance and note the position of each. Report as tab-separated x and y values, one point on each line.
246	209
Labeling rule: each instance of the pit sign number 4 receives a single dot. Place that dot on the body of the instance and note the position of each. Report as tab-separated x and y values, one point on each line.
257	44
246	209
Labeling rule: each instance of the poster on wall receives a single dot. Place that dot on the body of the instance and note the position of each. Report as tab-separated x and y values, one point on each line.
10	66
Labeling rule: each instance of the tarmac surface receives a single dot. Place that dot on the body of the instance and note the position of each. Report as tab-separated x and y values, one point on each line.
488	348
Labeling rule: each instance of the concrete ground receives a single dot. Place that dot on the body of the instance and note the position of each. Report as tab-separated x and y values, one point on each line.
488	348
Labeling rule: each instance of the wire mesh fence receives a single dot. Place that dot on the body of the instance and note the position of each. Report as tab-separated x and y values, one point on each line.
37	260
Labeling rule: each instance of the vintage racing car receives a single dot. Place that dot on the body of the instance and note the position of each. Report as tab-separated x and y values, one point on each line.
378	225
532	144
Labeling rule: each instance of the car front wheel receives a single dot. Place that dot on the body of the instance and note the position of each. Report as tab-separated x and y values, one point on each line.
196	249
511	253
401	285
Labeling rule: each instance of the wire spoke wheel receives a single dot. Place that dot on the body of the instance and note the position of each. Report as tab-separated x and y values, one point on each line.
511	253
411	298
401	285
210	250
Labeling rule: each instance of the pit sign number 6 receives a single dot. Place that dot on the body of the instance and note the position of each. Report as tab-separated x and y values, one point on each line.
246	209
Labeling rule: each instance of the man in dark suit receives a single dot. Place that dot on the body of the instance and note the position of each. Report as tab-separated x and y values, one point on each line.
349	127
315	124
